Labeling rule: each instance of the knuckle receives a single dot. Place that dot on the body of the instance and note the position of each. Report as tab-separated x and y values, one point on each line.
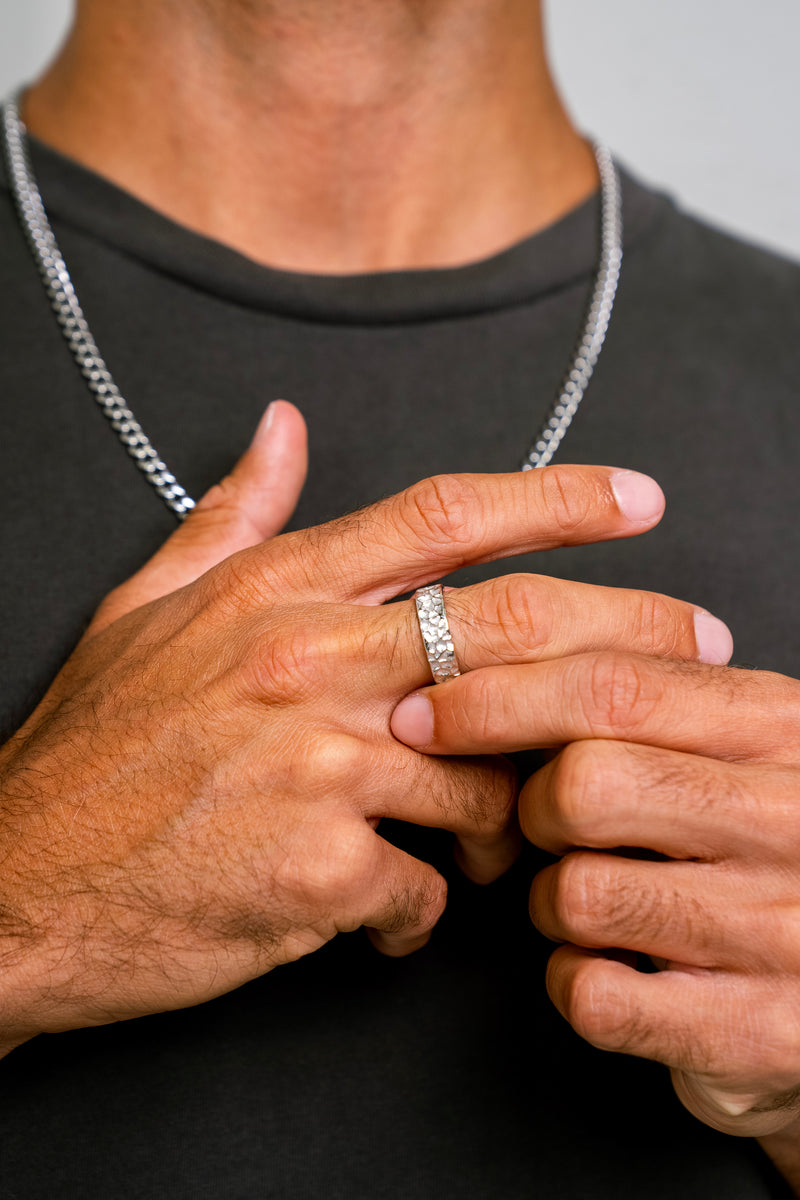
521	621
332	763
221	515
573	890
616	694
287	665
440	512
606	1020
657	628
432	900
233	587
223	495
581	774
221	508
419	907
591	1009
569	499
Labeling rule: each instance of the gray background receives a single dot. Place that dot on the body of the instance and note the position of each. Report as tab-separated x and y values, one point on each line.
698	95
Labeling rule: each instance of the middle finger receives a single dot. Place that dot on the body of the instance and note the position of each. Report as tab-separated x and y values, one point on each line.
602	794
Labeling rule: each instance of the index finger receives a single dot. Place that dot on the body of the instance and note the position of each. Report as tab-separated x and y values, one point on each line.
716	712
451	521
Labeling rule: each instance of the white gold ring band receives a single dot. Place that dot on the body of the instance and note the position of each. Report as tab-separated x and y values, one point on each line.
436	635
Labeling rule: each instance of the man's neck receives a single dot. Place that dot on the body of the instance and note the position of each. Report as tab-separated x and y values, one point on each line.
322	135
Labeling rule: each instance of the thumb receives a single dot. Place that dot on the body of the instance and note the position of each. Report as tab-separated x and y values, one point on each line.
251	504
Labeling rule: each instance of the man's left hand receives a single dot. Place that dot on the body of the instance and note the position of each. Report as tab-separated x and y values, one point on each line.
695	763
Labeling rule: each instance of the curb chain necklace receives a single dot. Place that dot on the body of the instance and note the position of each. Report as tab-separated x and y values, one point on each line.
115	408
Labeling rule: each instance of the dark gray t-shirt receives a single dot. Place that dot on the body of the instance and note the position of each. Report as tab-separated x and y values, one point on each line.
347	1075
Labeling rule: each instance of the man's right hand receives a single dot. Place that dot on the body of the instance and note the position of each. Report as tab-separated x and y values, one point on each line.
196	799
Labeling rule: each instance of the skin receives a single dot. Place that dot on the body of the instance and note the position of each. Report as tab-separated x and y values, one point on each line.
408	133
695	762
378	121
240	714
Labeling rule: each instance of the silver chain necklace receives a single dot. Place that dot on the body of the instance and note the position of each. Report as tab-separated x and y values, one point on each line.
115	408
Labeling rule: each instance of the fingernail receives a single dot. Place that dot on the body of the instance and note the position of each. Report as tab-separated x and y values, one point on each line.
714	640
265	424
412	720
732	1105
639	497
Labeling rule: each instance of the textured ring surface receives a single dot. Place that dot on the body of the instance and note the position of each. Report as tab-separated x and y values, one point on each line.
436	635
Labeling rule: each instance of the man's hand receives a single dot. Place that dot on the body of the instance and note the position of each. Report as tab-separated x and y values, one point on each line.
196	799
698	764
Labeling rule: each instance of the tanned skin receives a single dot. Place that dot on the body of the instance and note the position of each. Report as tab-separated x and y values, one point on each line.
322	135
338	136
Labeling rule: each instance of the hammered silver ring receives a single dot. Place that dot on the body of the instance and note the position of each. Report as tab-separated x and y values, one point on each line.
436	635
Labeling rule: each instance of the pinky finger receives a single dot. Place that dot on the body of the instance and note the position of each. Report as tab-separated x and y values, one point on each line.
410	900
737	1076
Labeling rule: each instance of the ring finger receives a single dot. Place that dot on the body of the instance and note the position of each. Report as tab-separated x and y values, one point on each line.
533	618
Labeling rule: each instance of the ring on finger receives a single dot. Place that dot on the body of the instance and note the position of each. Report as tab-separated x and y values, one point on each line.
436	635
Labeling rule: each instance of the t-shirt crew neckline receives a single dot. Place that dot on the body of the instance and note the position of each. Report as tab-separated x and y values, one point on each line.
547	261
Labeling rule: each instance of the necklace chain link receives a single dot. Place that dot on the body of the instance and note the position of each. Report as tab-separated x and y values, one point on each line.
112	403
590	343
74	325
